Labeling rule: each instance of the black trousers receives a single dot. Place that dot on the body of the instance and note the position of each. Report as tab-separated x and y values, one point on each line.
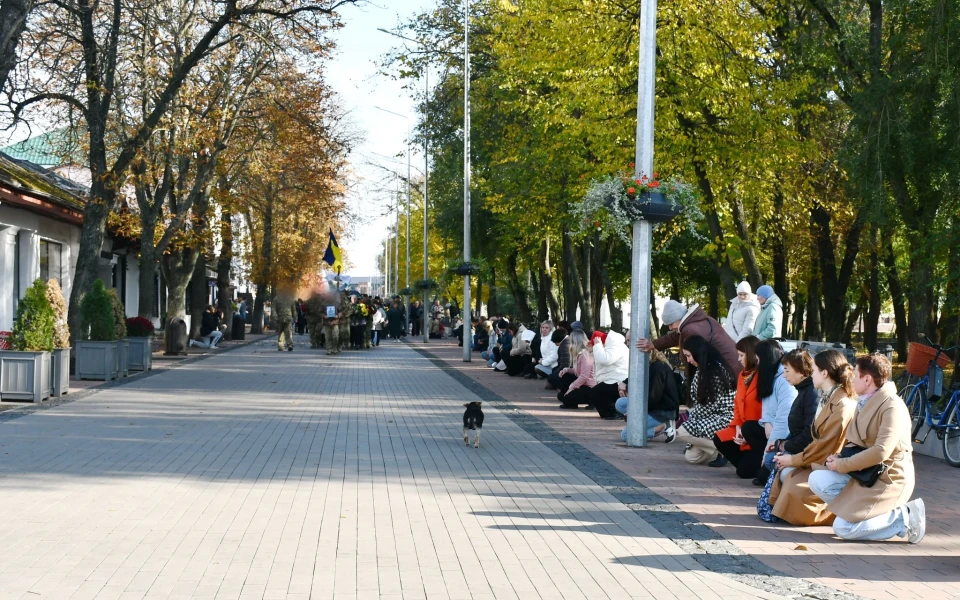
747	462
579	396
515	364
604	397
561	383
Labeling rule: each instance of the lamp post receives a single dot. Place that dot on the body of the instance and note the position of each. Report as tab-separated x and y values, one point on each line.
426	183
465	311
642	232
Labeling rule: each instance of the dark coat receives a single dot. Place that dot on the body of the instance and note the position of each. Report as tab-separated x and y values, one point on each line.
209	323
563	354
802	412
702	324
395	316
664	399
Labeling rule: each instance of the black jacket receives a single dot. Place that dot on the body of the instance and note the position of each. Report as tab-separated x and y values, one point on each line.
802	412
664	392
535	347
563	354
209	323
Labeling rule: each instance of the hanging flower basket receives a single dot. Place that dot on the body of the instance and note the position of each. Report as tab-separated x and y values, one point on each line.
406	291
426	284
466	268
613	203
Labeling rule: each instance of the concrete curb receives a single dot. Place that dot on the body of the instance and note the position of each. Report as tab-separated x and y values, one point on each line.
703	544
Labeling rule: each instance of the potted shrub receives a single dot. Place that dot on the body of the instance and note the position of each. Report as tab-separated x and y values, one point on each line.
120	334
97	351
25	368
60	356
140	335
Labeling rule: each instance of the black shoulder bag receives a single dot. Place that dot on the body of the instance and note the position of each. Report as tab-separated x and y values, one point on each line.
865	477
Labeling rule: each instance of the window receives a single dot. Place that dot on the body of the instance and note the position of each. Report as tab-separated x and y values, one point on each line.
50	254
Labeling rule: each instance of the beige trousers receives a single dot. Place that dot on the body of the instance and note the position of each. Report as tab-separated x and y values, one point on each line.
701	449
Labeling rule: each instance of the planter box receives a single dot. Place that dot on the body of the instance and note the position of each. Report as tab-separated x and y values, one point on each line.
123	358
24	376
141	354
97	360
59	372
654	207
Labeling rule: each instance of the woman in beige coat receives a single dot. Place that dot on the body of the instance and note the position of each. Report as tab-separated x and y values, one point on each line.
790	496
881	427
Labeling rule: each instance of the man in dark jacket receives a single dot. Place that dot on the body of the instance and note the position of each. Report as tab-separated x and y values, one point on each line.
684	323
209	330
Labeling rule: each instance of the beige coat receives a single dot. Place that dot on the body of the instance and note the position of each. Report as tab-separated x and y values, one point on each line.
882	426
793	501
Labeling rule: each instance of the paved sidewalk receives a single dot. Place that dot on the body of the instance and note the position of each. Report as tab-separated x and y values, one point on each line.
727	505
258	474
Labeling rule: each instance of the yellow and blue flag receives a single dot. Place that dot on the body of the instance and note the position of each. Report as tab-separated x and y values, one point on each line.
332	255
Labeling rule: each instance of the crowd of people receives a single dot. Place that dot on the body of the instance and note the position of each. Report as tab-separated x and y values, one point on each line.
828	442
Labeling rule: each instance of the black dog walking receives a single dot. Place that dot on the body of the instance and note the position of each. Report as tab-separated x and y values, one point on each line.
472	419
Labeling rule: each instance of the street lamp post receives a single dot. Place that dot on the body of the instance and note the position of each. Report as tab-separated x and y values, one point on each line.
465	311
426	204
639	373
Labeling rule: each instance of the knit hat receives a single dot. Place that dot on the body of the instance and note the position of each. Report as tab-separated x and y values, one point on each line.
765	292
599	335
744	287
576	325
673	311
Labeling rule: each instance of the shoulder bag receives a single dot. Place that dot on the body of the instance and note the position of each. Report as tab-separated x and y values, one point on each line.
865	477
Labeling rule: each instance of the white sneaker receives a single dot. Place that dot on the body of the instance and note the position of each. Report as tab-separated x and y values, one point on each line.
670	432
193	343
916	520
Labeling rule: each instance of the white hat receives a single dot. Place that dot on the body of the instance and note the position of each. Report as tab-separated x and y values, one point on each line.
744	287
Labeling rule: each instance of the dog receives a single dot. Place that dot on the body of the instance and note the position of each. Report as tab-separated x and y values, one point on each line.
472	419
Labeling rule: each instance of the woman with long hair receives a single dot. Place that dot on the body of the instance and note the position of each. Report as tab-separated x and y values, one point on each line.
577	391
790	496
776	397
730	442
710	391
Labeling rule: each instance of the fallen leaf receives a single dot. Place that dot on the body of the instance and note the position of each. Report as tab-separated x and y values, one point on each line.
801	547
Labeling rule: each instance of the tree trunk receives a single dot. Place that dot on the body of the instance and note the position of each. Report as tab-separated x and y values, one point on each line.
199	293
800	302
589	317
177	267
714	305
749	257
88	253
517	290
813	307
13	22
492	307
834	284
543	310
852	322
920	298
148	264
899	301
602	258
224	262
950	317
263	277
781	283
573	280
546	280
871	319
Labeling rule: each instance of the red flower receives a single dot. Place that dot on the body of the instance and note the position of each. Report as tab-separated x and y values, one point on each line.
655	176
639	182
654	184
597	223
632	165
631	190
583	176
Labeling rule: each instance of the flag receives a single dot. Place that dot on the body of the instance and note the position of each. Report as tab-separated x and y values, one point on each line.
332	256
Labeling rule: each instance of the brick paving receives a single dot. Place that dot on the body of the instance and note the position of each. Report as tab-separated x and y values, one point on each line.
258	474
727	505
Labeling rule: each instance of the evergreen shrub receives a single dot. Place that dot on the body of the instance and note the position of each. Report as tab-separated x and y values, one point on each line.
119	315
61	331
96	315
33	329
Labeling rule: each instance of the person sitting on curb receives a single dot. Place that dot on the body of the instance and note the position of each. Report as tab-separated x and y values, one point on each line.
663	401
790	495
579	379
710	392
684	323
879	438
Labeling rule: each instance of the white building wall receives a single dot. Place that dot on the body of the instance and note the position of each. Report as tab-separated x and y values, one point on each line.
30	228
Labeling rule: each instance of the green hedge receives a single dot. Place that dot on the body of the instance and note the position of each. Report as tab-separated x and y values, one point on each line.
33	330
96	315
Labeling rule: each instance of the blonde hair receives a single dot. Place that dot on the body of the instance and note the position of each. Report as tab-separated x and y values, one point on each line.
578	342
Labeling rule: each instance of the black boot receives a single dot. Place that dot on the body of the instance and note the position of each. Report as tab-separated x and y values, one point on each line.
762	475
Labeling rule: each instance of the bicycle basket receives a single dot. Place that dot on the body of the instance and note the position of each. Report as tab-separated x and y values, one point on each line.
919	357
935	383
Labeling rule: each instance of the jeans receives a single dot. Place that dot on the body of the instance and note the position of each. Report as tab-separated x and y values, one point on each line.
828	485
487	355
375	339
652	423
545	371
210	340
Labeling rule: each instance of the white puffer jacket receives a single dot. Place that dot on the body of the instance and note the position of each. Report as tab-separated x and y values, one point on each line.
611	361
549	352
742	316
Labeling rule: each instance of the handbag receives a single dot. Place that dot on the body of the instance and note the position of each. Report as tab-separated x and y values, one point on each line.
764	508
865	477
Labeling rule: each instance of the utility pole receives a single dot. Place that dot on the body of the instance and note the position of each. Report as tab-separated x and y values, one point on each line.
465	311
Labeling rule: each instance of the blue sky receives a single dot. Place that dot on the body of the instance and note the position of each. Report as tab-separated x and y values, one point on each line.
356	77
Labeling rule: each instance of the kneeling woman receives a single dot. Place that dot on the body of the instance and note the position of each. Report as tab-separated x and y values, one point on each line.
791	497
711	386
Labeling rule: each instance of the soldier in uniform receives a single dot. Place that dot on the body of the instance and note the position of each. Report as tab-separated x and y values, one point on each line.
344	313
283	312
316	311
368	328
331	329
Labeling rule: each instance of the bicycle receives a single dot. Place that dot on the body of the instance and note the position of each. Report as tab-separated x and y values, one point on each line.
920	398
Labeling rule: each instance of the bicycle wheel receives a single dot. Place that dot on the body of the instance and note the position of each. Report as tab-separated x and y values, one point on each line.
917	404
951	437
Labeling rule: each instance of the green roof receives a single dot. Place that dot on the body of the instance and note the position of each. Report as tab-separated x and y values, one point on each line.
51	149
43	182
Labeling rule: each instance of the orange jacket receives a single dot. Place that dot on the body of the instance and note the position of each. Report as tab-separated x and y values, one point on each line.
746	407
